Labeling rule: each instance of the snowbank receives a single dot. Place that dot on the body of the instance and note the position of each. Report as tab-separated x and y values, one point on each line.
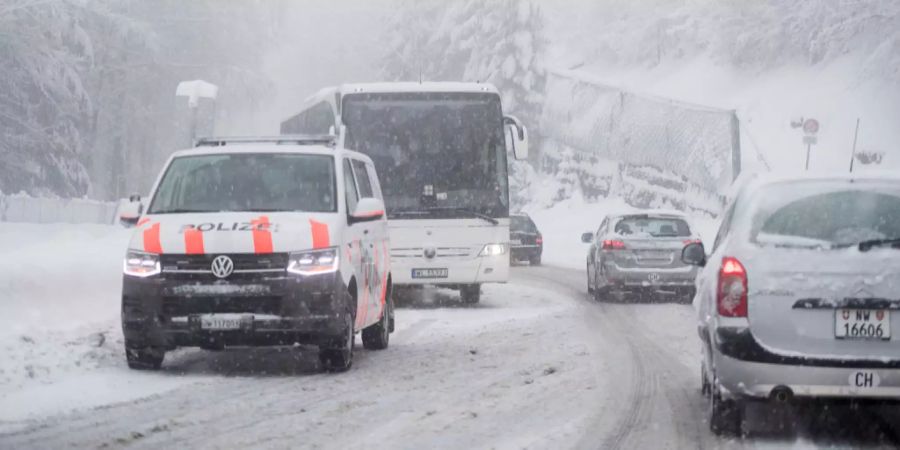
57	277
24	208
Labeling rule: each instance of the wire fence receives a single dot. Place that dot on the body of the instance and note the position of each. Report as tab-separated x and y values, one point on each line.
692	150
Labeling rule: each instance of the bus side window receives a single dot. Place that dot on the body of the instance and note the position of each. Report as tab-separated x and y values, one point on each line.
362	179
350	188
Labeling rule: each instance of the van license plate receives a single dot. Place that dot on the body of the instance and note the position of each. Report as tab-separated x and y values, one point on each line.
862	324
430	273
212	322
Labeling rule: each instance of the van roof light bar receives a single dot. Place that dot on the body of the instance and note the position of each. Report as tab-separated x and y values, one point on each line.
293	139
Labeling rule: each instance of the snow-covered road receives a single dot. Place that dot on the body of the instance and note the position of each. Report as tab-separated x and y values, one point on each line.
535	365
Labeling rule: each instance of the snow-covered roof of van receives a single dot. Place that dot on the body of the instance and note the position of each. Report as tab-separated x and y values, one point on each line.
426	86
257	147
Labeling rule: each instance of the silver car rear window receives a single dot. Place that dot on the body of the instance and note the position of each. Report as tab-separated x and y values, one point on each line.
826	215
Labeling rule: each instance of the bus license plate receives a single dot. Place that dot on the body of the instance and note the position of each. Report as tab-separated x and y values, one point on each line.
430	273
862	324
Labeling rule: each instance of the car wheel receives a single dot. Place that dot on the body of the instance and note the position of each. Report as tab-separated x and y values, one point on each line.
590	282
725	416
144	358
378	336
535	260
470	294
704	382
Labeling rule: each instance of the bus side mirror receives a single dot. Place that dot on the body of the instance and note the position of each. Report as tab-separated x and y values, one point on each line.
130	211
517	137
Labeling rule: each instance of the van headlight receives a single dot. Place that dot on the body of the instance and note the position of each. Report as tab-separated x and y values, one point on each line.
493	250
141	264
314	262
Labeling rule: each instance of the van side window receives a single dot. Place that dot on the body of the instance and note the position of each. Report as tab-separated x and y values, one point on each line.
350	188
362	179
376	185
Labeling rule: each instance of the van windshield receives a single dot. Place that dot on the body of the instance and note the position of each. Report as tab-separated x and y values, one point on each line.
247	182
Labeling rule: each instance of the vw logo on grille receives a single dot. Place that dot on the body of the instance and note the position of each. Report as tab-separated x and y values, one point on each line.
222	266
430	252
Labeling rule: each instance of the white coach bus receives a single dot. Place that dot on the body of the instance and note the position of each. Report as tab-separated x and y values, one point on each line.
440	151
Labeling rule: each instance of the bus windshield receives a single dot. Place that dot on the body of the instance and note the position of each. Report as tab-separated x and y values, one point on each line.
439	155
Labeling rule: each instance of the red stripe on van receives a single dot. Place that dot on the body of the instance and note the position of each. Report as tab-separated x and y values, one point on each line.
151	239
262	237
320	238
193	242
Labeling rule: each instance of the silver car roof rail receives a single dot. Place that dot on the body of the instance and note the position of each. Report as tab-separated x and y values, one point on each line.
288	139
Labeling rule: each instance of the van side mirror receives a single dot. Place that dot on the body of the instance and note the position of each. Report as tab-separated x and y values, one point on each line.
517	136
587	238
367	210
694	254
130	211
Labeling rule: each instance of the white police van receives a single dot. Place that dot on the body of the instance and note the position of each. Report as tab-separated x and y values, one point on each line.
256	242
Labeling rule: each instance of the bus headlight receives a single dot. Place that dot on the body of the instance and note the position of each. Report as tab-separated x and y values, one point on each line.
493	250
314	262
141	264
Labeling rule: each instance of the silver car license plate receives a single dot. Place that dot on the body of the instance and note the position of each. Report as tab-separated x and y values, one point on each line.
862	323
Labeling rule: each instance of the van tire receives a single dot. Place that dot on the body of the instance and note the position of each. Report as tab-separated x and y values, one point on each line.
144	358
378	336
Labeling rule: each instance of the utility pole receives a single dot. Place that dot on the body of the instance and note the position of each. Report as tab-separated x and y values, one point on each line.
853	154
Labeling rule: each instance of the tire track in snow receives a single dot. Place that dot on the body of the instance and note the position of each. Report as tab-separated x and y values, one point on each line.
659	404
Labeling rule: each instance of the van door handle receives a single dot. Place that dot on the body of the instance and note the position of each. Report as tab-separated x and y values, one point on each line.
366	231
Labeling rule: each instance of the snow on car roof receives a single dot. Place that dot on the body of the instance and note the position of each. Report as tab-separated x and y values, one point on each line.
760	180
427	86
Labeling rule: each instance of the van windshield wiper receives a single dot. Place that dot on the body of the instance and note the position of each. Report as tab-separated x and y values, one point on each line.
865	246
183	211
434	209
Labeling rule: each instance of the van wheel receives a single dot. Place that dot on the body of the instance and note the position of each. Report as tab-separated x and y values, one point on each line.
725	416
470	294
337	356
378	336
144	358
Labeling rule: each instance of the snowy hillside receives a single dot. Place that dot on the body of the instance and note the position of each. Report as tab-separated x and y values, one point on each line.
772	61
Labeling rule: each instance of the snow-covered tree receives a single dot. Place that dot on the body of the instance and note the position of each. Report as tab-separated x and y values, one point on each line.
87	86
496	41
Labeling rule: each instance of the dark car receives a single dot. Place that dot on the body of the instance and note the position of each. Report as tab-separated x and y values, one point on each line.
525	241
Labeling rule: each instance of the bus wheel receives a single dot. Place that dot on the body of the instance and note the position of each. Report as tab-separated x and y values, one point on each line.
470	294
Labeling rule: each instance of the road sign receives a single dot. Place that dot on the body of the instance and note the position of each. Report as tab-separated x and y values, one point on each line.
811	126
